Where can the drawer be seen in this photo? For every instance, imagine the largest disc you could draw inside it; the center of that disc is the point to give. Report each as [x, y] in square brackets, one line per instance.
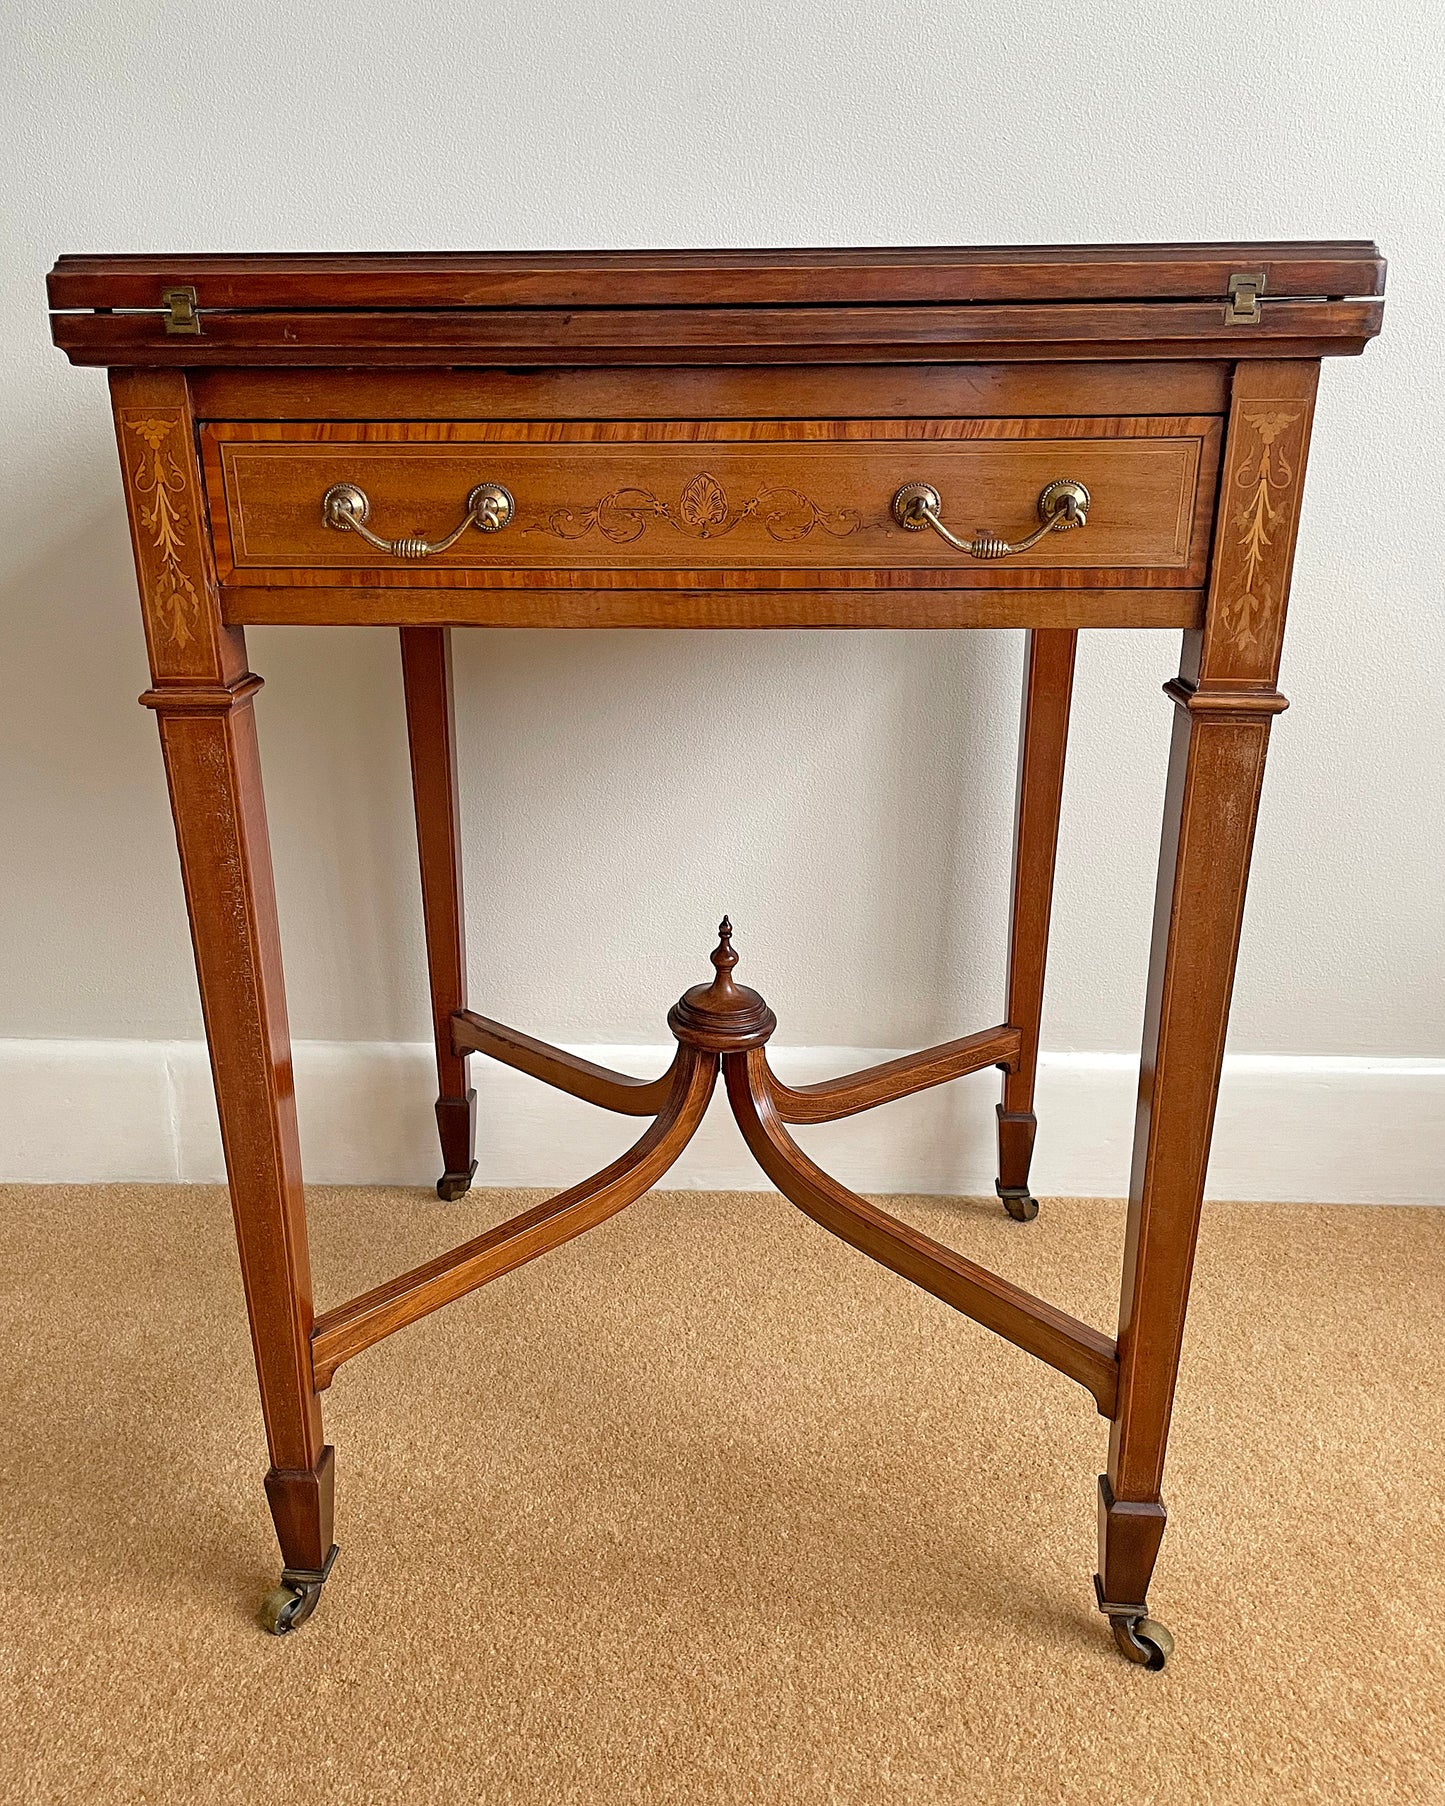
[726, 504]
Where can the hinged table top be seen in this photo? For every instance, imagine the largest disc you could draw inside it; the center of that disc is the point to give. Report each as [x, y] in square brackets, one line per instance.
[932, 302]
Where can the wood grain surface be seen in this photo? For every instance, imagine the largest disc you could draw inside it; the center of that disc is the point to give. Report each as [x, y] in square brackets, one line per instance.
[664, 503]
[747, 335]
[896, 602]
[970, 390]
[672, 278]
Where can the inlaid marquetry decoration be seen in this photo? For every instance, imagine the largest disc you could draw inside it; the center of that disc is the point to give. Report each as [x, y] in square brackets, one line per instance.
[1260, 526]
[159, 484]
[703, 511]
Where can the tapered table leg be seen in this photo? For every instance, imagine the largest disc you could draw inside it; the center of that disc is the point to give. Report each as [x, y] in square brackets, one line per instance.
[426, 663]
[1043, 740]
[202, 696]
[1225, 700]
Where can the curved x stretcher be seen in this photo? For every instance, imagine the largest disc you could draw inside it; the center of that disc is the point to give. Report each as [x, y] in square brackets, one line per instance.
[724, 1027]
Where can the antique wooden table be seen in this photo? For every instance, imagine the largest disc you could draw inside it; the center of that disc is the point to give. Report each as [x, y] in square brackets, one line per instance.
[1047, 438]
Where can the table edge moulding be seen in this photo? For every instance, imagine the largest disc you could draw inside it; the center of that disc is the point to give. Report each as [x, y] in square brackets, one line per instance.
[1042, 437]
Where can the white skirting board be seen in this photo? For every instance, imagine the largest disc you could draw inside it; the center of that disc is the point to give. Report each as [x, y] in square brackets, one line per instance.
[1327, 1130]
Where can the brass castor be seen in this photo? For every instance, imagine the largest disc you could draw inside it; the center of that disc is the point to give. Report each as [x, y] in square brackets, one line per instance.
[1019, 1202]
[292, 1603]
[288, 1608]
[1143, 1640]
[452, 1186]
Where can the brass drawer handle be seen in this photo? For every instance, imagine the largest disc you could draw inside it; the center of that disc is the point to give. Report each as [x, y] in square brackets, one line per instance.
[344, 506]
[1062, 504]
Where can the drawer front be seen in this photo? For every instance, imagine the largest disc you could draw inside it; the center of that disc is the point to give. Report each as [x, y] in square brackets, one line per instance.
[713, 504]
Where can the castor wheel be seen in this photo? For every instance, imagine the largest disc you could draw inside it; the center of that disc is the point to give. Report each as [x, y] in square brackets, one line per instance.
[1019, 1202]
[288, 1608]
[1143, 1640]
[292, 1603]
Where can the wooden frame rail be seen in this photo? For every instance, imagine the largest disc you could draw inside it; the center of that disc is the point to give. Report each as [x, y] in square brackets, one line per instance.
[565, 1072]
[1084, 1354]
[345, 1331]
[885, 1084]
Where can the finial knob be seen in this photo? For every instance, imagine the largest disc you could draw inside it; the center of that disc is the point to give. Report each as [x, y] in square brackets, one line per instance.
[723, 956]
[722, 1016]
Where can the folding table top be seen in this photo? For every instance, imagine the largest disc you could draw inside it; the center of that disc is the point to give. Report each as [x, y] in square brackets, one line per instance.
[874, 304]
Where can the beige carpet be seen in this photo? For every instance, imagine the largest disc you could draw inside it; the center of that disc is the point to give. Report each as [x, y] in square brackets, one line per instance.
[706, 1508]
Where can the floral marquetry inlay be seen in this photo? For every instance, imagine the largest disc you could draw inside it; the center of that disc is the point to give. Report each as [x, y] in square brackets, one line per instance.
[159, 484]
[1262, 505]
[703, 511]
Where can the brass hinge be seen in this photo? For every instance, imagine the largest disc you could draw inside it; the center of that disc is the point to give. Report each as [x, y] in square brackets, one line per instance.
[1242, 308]
[184, 315]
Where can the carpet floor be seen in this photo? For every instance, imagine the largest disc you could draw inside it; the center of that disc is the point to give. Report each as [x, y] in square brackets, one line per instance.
[706, 1508]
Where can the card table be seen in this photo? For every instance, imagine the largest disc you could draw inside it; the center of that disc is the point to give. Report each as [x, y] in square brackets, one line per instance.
[1043, 438]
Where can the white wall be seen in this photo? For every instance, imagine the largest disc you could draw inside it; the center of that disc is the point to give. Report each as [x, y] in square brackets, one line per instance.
[864, 859]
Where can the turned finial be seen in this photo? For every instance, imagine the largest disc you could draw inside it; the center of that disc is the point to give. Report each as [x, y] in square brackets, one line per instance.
[722, 956]
[722, 994]
[722, 1015]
